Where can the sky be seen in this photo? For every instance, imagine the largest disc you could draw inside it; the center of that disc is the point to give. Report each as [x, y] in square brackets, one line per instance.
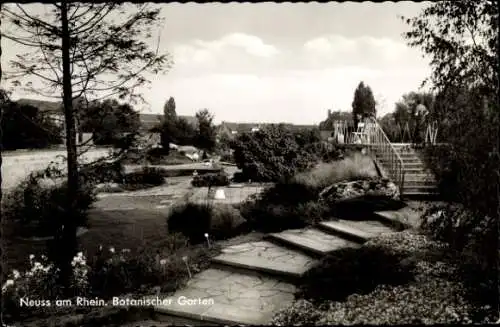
[280, 62]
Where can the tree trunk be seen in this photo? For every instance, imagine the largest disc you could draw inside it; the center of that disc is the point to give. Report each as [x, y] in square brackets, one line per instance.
[68, 241]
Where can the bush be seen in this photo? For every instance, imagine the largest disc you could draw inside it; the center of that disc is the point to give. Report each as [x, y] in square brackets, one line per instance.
[210, 179]
[471, 235]
[115, 272]
[194, 220]
[430, 288]
[103, 172]
[109, 273]
[239, 177]
[352, 270]
[271, 154]
[146, 176]
[276, 217]
[227, 157]
[41, 209]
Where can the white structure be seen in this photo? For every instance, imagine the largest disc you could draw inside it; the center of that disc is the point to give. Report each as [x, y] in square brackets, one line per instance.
[219, 194]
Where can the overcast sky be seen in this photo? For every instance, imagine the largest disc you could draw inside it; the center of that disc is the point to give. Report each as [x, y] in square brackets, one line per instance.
[273, 62]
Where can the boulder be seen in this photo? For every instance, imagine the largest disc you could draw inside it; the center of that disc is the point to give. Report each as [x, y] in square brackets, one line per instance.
[360, 189]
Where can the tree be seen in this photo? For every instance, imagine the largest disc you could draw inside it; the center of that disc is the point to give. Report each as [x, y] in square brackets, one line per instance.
[82, 49]
[461, 39]
[109, 121]
[334, 116]
[24, 127]
[169, 109]
[206, 136]
[363, 104]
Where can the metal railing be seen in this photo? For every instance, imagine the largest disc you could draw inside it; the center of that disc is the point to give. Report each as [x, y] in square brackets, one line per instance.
[380, 146]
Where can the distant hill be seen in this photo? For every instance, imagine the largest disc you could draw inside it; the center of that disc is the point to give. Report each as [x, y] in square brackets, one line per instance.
[43, 106]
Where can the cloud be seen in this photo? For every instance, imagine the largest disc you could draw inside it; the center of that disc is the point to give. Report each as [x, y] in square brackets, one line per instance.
[366, 50]
[200, 51]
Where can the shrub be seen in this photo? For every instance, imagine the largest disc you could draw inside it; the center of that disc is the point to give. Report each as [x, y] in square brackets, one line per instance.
[275, 217]
[352, 270]
[39, 283]
[40, 209]
[211, 179]
[146, 176]
[116, 272]
[431, 302]
[435, 293]
[227, 157]
[195, 220]
[109, 273]
[239, 177]
[271, 154]
[470, 234]
[325, 151]
[103, 172]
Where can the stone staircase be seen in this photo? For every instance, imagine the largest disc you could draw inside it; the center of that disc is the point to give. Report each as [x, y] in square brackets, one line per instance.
[249, 282]
[419, 181]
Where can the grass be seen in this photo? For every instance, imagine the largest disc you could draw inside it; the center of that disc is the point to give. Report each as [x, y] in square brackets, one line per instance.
[356, 166]
[143, 231]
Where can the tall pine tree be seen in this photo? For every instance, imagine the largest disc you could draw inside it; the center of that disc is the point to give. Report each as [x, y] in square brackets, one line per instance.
[363, 104]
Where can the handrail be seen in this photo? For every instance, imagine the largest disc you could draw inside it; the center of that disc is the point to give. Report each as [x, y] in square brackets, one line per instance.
[383, 149]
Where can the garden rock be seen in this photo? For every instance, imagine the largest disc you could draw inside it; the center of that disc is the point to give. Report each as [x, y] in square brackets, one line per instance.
[352, 190]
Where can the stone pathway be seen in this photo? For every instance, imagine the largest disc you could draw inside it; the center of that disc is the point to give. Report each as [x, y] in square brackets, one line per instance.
[249, 282]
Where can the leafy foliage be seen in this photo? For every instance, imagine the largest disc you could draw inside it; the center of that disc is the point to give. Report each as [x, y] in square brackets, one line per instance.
[352, 270]
[363, 104]
[461, 39]
[23, 127]
[195, 220]
[273, 153]
[462, 47]
[176, 130]
[206, 136]
[109, 121]
[210, 180]
[169, 109]
[405, 124]
[146, 176]
[426, 287]
[40, 209]
[82, 50]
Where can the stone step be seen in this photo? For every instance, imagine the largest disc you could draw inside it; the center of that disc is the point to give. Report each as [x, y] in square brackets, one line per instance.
[311, 241]
[418, 195]
[416, 183]
[405, 159]
[419, 178]
[413, 165]
[227, 298]
[413, 170]
[339, 227]
[265, 257]
[420, 188]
